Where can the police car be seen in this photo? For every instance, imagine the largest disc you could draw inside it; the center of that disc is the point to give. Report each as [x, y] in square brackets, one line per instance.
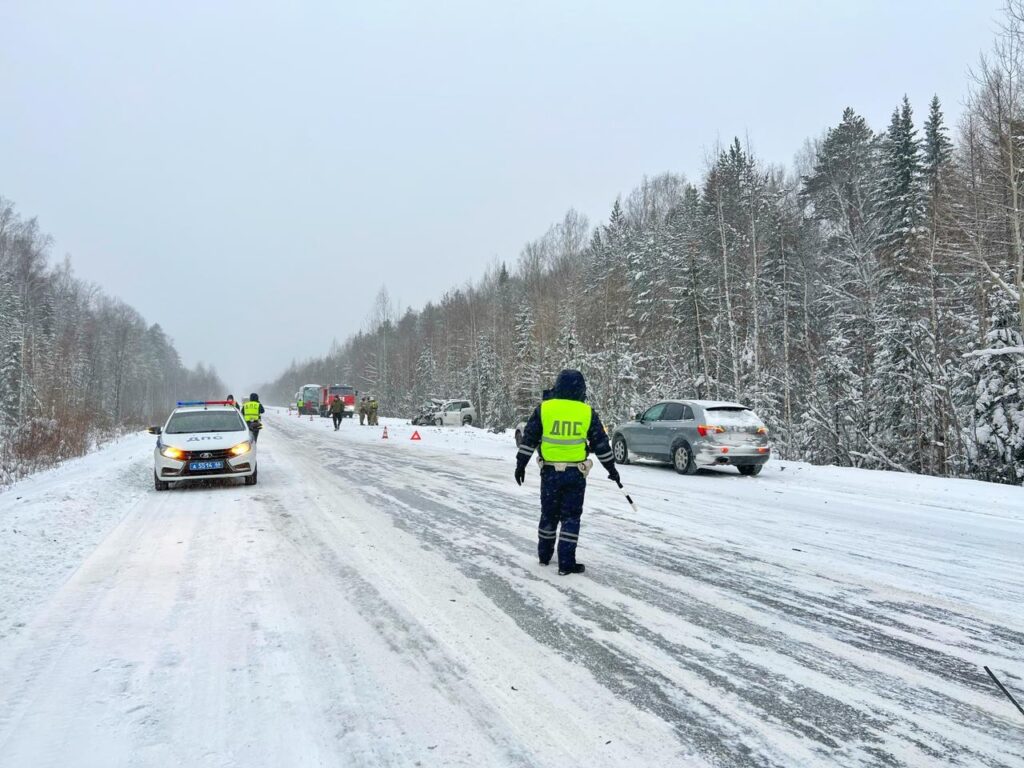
[202, 440]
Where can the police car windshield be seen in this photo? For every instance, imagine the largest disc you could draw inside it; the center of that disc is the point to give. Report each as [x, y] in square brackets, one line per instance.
[204, 421]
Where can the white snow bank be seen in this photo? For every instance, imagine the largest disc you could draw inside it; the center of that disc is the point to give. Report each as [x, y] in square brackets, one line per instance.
[51, 520]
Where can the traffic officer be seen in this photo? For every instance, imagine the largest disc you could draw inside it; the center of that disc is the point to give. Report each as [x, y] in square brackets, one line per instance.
[372, 406]
[563, 426]
[251, 412]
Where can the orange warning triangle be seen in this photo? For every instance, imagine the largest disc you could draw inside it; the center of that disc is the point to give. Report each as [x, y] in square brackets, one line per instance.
[416, 436]
[385, 435]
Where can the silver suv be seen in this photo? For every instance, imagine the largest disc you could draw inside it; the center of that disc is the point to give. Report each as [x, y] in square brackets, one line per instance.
[695, 433]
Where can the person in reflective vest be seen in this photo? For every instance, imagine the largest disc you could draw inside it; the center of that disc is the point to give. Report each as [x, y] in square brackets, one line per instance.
[564, 429]
[251, 412]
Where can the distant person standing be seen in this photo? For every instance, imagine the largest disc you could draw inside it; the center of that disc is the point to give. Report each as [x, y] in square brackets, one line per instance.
[373, 411]
[363, 412]
[337, 412]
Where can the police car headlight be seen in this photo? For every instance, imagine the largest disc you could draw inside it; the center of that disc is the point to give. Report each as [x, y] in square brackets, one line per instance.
[243, 447]
[173, 453]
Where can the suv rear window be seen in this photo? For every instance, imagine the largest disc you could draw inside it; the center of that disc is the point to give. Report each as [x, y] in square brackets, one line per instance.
[205, 421]
[733, 417]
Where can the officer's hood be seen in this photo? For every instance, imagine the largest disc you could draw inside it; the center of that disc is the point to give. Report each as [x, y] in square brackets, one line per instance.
[570, 385]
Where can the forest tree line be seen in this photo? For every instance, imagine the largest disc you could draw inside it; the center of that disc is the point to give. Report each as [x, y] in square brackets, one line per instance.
[76, 366]
[868, 302]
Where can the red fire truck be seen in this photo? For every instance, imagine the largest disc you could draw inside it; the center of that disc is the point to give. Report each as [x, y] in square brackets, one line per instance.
[338, 392]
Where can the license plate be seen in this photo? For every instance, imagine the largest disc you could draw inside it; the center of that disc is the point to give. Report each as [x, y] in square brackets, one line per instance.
[204, 466]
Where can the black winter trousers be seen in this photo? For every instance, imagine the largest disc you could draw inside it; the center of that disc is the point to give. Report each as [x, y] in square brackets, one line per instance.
[561, 506]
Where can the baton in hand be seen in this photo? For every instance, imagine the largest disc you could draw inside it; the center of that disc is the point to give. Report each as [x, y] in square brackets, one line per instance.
[628, 497]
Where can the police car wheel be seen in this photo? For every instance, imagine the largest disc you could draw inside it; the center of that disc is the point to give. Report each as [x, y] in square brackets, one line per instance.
[621, 450]
[159, 484]
[251, 479]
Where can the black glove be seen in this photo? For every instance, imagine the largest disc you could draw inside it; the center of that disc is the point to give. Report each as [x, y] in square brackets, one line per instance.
[613, 475]
[520, 474]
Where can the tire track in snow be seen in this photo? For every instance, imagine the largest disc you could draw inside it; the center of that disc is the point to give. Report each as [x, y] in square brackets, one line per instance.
[315, 531]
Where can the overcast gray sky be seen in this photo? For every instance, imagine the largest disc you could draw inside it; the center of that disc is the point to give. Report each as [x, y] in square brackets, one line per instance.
[307, 153]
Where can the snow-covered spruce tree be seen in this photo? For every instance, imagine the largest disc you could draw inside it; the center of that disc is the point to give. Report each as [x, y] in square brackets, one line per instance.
[691, 297]
[648, 314]
[527, 386]
[611, 368]
[904, 433]
[486, 391]
[949, 289]
[425, 379]
[845, 289]
[833, 428]
[999, 398]
[773, 389]
[725, 243]
[568, 349]
[900, 202]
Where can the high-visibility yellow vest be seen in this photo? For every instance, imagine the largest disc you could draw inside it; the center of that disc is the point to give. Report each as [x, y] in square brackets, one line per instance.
[565, 426]
[251, 410]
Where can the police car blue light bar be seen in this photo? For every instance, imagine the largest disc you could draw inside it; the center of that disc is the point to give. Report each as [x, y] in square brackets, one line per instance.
[202, 402]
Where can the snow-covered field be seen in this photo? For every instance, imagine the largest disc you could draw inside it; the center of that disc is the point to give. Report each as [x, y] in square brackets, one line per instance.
[378, 602]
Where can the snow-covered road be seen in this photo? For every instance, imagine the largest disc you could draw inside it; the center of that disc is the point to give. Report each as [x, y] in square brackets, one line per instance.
[378, 602]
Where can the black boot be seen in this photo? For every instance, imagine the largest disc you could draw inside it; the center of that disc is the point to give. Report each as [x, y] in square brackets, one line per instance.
[577, 568]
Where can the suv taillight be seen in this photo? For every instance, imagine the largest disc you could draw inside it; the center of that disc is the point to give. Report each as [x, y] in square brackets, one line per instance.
[705, 429]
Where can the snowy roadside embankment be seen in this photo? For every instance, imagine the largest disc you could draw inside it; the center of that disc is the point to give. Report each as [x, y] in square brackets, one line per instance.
[50, 521]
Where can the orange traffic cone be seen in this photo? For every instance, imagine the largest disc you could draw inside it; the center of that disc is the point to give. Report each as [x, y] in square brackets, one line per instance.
[385, 435]
[416, 436]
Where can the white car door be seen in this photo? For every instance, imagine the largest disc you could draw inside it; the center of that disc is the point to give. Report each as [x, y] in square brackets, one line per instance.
[453, 415]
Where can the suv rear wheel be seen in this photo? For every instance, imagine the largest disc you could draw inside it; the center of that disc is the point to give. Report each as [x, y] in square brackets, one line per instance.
[467, 420]
[682, 460]
[620, 450]
[750, 470]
